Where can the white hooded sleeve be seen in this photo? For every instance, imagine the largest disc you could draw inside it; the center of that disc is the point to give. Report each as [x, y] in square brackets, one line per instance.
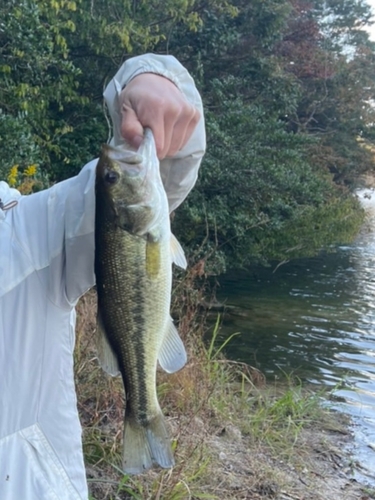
[179, 173]
[56, 226]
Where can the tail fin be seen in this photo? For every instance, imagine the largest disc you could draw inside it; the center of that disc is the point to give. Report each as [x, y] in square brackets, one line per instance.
[145, 446]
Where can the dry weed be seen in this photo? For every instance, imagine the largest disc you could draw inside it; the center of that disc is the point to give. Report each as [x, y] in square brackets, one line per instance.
[220, 415]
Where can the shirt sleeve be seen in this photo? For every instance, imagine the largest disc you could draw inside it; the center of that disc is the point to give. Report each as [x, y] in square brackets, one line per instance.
[55, 229]
[179, 173]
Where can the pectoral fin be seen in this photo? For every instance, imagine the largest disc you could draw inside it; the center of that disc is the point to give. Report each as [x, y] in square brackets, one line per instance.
[107, 358]
[178, 255]
[172, 356]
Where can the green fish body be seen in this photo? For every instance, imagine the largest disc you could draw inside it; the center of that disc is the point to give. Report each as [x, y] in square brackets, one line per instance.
[133, 264]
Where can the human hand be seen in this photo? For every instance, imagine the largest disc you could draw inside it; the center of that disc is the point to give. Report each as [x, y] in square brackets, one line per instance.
[150, 100]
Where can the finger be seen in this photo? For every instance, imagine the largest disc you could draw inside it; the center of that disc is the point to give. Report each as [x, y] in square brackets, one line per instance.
[136, 119]
[176, 118]
[158, 130]
[183, 130]
[154, 117]
[131, 127]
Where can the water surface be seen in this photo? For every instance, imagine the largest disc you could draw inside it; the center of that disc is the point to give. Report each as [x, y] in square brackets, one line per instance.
[314, 318]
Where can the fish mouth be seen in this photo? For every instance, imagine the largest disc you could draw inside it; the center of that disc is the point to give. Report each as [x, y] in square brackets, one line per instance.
[147, 150]
[135, 163]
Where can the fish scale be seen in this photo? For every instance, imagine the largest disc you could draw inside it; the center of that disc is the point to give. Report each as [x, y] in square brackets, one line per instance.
[130, 316]
[133, 265]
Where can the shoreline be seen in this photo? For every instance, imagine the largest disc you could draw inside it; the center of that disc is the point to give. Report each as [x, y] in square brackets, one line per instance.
[234, 436]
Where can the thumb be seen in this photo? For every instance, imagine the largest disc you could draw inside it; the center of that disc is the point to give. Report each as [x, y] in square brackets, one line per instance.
[131, 127]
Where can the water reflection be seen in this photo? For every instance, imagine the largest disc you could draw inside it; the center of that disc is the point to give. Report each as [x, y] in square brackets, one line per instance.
[301, 317]
[315, 318]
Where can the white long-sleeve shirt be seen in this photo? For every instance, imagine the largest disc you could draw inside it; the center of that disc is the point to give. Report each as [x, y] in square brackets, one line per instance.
[46, 264]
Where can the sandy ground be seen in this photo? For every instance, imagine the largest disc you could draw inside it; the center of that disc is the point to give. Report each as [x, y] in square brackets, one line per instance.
[318, 468]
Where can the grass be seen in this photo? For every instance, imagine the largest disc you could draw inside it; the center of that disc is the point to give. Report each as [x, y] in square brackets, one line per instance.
[234, 436]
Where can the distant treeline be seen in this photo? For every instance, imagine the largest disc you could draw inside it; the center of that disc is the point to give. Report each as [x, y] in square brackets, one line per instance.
[288, 88]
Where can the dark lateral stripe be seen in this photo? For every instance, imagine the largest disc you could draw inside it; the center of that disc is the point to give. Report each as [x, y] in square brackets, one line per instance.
[134, 350]
[139, 347]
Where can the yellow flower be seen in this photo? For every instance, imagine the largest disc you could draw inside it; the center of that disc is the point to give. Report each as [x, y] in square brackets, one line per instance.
[30, 170]
[13, 174]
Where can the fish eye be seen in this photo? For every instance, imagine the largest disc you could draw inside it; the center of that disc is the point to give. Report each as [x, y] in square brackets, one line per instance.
[111, 177]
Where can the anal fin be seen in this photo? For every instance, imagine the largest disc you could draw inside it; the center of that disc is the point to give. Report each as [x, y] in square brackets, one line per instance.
[172, 355]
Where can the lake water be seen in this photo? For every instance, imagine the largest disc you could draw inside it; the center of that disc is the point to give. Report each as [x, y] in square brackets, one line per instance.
[314, 318]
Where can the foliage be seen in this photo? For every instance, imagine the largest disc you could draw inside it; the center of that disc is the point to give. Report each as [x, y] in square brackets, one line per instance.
[287, 85]
[331, 56]
[261, 199]
[286, 107]
[55, 59]
[19, 148]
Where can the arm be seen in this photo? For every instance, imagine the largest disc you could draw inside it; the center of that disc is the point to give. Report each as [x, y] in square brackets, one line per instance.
[179, 173]
[53, 233]
[56, 227]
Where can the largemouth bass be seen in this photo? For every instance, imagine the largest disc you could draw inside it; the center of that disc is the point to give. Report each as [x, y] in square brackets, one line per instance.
[133, 266]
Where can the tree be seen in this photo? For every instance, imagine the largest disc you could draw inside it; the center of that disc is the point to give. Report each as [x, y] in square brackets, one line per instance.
[332, 59]
[258, 198]
[287, 87]
[55, 59]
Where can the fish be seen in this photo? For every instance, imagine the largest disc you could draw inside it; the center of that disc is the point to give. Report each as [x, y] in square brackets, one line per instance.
[134, 252]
